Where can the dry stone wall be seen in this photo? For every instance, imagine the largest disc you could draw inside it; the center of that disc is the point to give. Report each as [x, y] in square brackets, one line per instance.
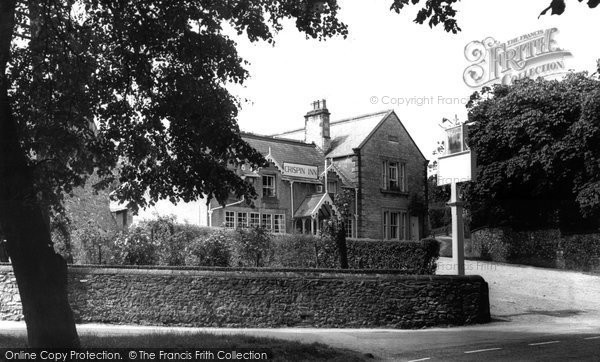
[225, 297]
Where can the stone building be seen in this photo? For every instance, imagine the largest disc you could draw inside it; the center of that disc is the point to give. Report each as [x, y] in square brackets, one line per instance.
[373, 156]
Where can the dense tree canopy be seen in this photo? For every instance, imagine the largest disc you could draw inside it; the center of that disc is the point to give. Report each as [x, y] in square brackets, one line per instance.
[538, 152]
[90, 85]
[141, 86]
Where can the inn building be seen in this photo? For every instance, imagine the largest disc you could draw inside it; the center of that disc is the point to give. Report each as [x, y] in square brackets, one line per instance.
[372, 157]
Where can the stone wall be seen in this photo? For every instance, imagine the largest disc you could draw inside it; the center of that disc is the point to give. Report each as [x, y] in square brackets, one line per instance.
[10, 300]
[231, 297]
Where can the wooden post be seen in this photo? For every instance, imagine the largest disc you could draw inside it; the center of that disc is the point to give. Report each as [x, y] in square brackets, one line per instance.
[458, 242]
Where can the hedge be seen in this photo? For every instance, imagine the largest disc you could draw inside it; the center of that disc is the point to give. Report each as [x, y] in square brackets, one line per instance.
[420, 256]
[544, 248]
[165, 243]
[305, 251]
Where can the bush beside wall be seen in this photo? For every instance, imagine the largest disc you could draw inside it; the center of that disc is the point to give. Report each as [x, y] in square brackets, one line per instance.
[265, 298]
[582, 252]
[303, 251]
[538, 248]
[420, 257]
[162, 242]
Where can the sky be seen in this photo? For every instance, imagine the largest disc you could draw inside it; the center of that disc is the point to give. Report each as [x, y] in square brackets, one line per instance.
[388, 58]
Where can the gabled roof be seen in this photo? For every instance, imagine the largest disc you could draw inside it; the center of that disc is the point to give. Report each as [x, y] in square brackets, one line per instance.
[346, 177]
[346, 170]
[312, 204]
[346, 134]
[351, 133]
[285, 150]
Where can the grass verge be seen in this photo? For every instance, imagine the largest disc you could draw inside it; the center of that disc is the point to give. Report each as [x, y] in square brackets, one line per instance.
[282, 350]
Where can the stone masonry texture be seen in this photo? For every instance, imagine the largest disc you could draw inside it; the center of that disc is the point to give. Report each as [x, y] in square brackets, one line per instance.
[224, 297]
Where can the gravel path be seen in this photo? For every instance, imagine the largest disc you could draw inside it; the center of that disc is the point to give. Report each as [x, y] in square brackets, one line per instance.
[529, 294]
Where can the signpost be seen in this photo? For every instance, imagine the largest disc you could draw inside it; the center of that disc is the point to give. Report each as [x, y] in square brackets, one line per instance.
[456, 166]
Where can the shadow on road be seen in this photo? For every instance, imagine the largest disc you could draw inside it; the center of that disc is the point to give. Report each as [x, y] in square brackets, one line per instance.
[550, 313]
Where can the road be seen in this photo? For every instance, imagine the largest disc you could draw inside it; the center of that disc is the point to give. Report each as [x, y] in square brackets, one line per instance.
[497, 341]
[539, 315]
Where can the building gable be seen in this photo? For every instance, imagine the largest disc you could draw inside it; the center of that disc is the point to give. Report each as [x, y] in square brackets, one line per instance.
[392, 117]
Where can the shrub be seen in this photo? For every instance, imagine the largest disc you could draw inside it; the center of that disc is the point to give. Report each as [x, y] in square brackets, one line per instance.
[91, 245]
[166, 243]
[431, 253]
[161, 232]
[418, 257]
[214, 250]
[306, 251]
[582, 252]
[295, 251]
[440, 218]
[334, 244]
[327, 252]
[252, 247]
[171, 239]
[135, 248]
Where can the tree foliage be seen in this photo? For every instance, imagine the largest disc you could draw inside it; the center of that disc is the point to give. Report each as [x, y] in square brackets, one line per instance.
[443, 12]
[557, 7]
[90, 85]
[538, 152]
[435, 11]
[141, 85]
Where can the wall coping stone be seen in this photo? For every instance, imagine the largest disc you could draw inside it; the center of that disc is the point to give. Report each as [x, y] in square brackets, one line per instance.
[245, 273]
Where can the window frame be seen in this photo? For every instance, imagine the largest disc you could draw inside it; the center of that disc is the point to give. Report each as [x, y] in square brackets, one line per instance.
[256, 222]
[393, 165]
[395, 224]
[230, 216]
[271, 187]
[279, 228]
[404, 225]
[262, 223]
[402, 176]
[394, 181]
[244, 221]
[349, 228]
[333, 183]
[386, 216]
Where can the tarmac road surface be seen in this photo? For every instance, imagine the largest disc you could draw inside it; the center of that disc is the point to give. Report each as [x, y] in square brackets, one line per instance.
[539, 315]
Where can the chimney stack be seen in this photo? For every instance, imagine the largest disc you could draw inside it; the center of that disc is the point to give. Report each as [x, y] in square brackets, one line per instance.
[316, 125]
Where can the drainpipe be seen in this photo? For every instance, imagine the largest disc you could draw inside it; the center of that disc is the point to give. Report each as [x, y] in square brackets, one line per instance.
[210, 211]
[326, 176]
[356, 212]
[292, 206]
[359, 190]
[426, 227]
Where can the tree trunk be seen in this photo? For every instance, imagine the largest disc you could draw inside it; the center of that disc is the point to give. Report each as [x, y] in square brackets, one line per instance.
[41, 274]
